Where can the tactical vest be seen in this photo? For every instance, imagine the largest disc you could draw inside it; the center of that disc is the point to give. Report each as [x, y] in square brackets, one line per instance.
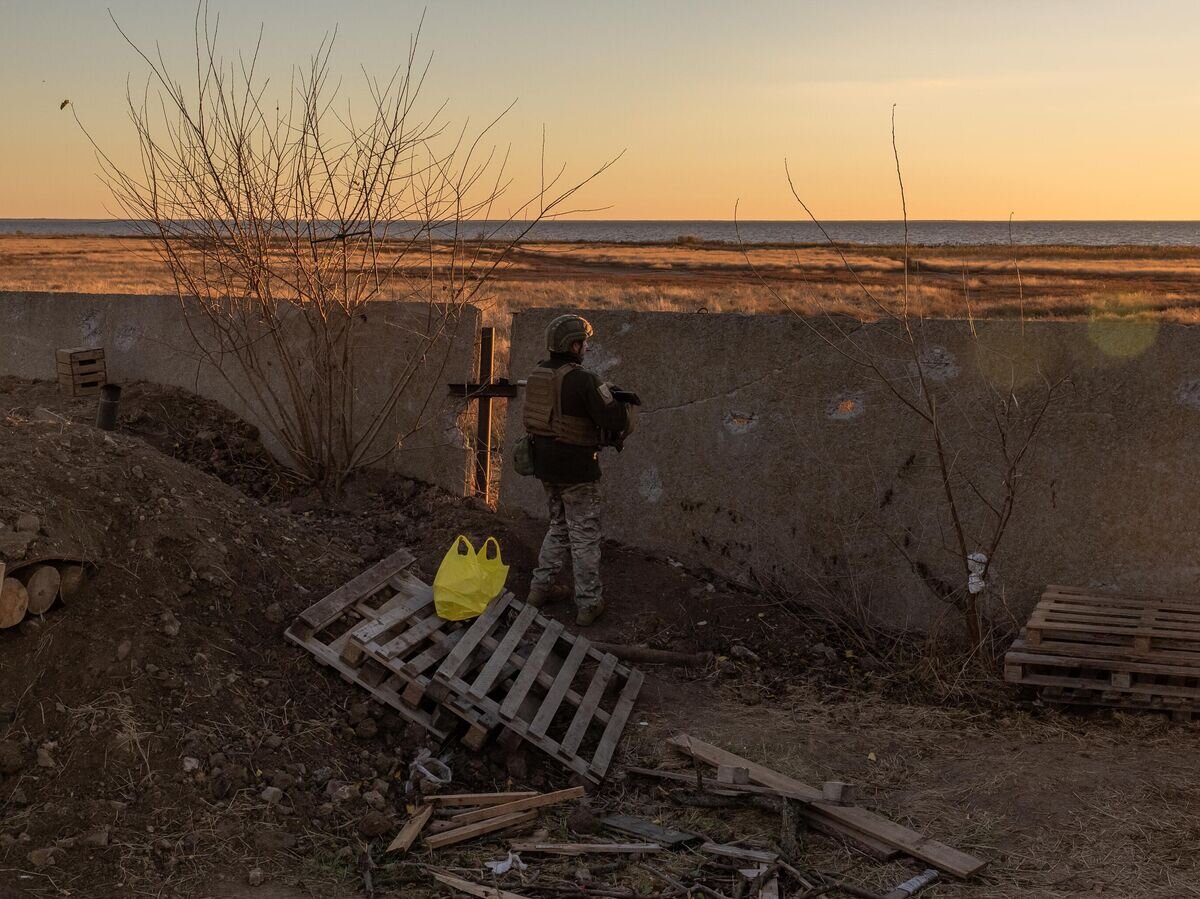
[543, 415]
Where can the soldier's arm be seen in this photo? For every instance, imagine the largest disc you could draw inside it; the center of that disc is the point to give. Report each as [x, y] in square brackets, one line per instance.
[604, 410]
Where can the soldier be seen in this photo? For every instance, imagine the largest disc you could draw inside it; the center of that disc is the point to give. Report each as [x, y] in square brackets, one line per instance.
[569, 415]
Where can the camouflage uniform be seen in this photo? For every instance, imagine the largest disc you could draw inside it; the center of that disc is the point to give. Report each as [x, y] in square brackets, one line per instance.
[575, 532]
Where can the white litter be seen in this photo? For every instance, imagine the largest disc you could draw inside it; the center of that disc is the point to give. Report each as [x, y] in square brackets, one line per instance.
[504, 865]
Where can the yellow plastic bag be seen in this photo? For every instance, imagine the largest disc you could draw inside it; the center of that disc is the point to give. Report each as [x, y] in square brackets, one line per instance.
[467, 581]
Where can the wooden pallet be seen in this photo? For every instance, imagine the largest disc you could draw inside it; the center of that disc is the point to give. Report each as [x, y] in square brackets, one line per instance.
[1128, 651]
[325, 628]
[81, 370]
[1179, 711]
[1141, 624]
[409, 640]
[543, 684]
[510, 666]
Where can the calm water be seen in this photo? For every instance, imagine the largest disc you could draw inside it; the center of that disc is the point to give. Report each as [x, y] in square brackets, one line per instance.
[1185, 234]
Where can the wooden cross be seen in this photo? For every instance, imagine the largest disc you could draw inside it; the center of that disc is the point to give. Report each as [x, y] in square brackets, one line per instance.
[483, 393]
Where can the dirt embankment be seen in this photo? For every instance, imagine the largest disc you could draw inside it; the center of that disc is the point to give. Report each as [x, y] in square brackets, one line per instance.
[161, 738]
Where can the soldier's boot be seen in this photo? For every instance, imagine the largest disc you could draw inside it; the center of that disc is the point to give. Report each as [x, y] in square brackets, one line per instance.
[541, 594]
[588, 615]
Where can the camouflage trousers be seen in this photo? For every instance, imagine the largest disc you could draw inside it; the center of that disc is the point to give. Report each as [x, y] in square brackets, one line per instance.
[574, 532]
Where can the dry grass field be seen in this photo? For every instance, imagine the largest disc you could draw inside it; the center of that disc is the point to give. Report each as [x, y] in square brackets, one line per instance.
[952, 282]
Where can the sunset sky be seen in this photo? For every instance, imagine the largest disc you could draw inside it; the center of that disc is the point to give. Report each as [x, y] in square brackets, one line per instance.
[1049, 110]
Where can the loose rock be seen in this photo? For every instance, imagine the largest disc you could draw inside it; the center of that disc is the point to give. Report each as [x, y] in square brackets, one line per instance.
[170, 624]
[374, 824]
[271, 795]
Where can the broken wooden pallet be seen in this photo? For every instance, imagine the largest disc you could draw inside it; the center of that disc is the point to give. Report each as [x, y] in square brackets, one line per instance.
[547, 686]
[1125, 651]
[860, 824]
[325, 629]
[510, 666]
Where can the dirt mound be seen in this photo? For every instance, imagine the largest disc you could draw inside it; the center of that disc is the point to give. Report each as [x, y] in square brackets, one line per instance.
[159, 725]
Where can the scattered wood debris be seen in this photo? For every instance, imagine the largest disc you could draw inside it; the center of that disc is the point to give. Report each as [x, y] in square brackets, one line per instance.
[859, 824]
[648, 830]
[472, 889]
[511, 667]
[1124, 651]
[411, 830]
[536, 848]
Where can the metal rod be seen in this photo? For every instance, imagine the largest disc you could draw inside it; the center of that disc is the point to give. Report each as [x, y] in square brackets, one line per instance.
[483, 434]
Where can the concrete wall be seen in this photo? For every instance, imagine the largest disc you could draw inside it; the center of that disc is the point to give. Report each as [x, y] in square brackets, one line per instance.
[766, 453]
[148, 338]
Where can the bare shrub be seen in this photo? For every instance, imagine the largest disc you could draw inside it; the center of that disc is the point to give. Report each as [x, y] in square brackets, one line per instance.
[977, 448]
[280, 218]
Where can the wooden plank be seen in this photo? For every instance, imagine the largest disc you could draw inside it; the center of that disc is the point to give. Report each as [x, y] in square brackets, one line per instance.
[651, 832]
[562, 683]
[1024, 656]
[941, 856]
[327, 609]
[411, 830]
[472, 889]
[479, 829]
[587, 709]
[474, 635]
[740, 853]
[79, 352]
[520, 805]
[421, 663]
[616, 724]
[499, 657]
[1108, 653]
[453, 800]
[411, 637]
[533, 667]
[370, 628]
[534, 848]
[1137, 629]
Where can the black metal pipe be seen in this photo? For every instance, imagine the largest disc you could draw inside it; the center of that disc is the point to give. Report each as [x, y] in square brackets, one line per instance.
[106, 411]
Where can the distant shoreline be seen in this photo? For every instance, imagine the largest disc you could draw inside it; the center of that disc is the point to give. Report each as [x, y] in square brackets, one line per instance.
[879, 234]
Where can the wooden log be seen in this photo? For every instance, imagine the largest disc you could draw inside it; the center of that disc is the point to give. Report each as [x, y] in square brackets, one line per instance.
[42, 585]
[72, 580]
[14, 600]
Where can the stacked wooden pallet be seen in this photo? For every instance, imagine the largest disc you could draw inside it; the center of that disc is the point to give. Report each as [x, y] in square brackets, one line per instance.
[81, 370]
[1121, 650]
[510, 668]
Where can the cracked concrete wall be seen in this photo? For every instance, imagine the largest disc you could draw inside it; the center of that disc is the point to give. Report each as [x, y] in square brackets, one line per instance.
[766, 453]
[146, 338]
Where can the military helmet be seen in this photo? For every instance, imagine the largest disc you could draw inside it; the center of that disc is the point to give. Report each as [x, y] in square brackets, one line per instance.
[565, 330]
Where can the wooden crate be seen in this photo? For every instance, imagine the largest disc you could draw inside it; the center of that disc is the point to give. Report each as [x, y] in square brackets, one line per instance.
[81, 370]
[549, 687]
[1126, 651]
